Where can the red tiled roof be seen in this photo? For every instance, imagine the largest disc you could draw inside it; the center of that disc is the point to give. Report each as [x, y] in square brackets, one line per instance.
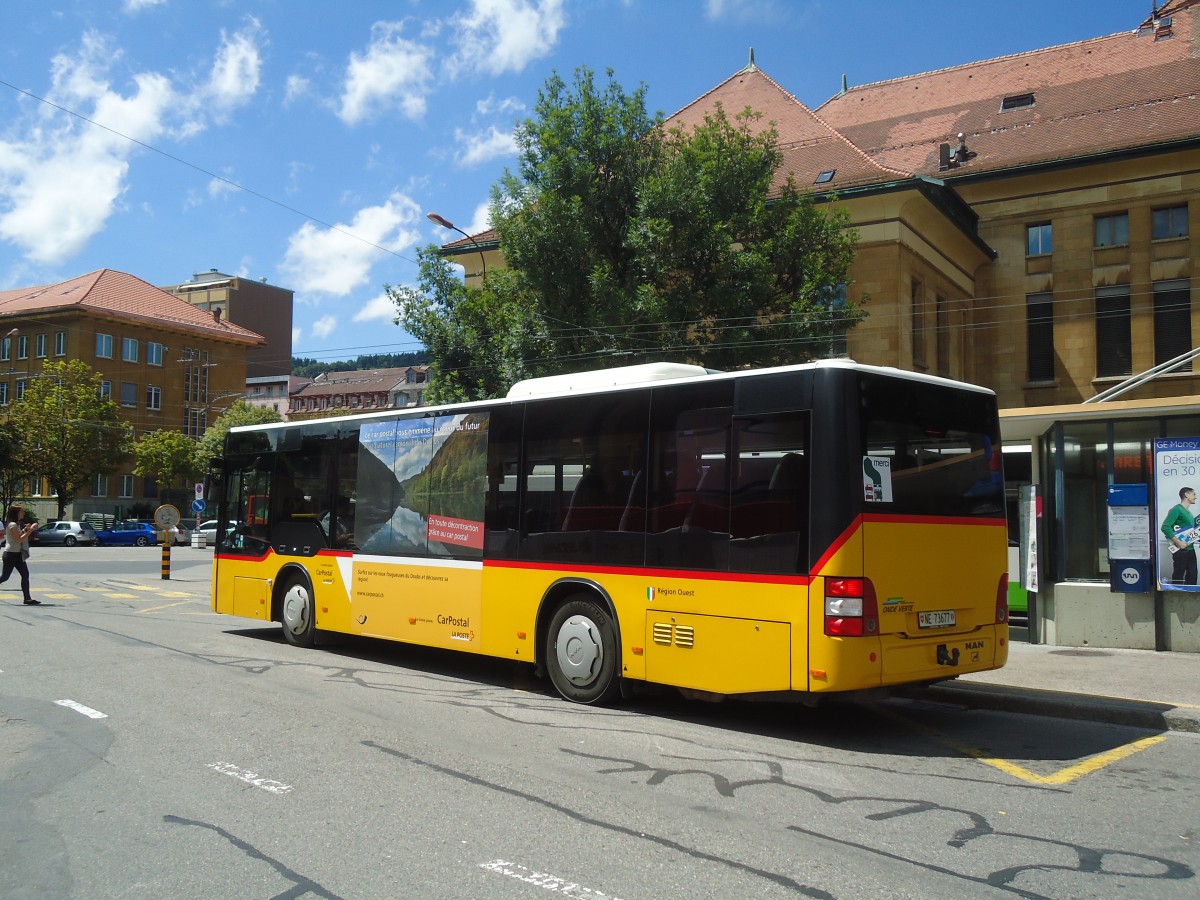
[117, 295]
[809, 145]
[1126, 90]
[362, 381]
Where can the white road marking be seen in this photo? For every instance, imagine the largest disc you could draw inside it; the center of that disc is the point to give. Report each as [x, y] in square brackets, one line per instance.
[80, 708]
[543, 880]
[267, 784]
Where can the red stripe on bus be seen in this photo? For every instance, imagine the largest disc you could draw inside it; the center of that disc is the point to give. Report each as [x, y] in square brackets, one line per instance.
[837, 545]
[700, 575]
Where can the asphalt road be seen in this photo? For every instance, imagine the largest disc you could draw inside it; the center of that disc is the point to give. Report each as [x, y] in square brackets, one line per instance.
[150, 748]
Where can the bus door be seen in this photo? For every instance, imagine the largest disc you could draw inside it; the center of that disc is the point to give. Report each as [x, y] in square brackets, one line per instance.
[242, 534]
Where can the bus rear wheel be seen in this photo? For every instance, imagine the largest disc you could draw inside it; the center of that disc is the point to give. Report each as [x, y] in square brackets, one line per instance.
[297, 613]
[581, 652]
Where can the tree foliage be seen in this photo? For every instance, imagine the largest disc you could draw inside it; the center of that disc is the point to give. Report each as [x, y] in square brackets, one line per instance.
[626, 242]
[305, 367]
[166, 456]
[68, 433]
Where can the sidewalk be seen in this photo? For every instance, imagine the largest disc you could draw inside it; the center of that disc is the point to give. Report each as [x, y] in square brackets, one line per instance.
[1140, 688]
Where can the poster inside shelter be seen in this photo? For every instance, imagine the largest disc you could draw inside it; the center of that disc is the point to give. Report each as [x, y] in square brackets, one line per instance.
[1176, 534]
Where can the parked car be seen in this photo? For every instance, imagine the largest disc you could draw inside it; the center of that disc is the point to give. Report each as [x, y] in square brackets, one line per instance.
[179, 534]
[209, 530]
[136, 534]
[67, 533]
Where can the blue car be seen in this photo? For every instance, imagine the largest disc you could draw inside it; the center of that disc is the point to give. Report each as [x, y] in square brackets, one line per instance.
[128, 534]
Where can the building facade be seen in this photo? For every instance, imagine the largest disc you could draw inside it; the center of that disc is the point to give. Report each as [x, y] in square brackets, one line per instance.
[1028, 223]
[338, 393]
[167, 363]
[256, 305]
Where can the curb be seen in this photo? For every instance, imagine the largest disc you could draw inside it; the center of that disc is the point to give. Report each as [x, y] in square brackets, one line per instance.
[1058, 704]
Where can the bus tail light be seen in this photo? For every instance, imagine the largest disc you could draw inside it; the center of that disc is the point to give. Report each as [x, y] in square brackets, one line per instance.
[1002, 600]
[851, 609]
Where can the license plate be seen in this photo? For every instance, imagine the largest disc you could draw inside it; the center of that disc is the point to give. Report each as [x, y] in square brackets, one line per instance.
[941, 618]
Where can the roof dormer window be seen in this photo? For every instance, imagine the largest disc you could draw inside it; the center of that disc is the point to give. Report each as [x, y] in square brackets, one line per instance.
[1016, 101]
[826, 176]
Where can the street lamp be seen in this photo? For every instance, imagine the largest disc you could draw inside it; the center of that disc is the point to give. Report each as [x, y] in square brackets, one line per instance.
[446, 223]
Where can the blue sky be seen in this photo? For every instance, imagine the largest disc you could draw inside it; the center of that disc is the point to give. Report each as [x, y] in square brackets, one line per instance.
[303, 142]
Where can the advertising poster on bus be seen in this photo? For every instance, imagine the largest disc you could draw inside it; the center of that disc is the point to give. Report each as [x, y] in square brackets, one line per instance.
[420, 488]
[1177, 479]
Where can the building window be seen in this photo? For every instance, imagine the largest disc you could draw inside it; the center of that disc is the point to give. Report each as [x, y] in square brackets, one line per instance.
[1112, 231]
[1113, 337]
[153, 397]
[100, 486]
[1171, 222]
[60, 344]
[40, 345]
[5, 348]
[154, 353]
[918, 325]
[1172, 321]
[106, 390]
[104, 346]
[20, 388]
[22, 347]
[3, 393]
[1039, 239]
[1039, 330]
[826, 176]
[1016, 101]
[128, 393]
[129, 350]
[126, 487]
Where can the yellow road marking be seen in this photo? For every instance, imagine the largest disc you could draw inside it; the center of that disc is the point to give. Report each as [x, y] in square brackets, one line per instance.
[151, 609]
[1062, 776]
[59, 596]
[121, 596]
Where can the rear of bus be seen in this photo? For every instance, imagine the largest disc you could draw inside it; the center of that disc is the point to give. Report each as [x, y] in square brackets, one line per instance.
[914, 588]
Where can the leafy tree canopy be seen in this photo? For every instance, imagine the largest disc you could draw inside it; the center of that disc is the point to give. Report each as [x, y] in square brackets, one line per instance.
[311, 368]
[68, 433]
[166, 456]
[626, 242]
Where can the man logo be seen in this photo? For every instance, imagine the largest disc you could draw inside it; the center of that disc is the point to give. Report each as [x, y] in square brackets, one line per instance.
[1129, 575]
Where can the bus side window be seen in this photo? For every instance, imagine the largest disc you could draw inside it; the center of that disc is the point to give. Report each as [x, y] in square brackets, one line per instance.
[770, 499]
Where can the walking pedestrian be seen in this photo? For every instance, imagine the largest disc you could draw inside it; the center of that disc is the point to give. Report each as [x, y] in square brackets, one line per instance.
[16, 549]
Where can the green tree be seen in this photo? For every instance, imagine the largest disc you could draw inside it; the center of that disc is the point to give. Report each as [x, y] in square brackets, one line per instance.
[212, 443]
[626, 241]
[12, 473]
[166, 456]
[68, 432]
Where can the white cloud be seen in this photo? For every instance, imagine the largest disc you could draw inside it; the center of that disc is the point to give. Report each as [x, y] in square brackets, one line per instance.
[337, 260]
[297, 86]
[378, 309]
[760, 11]
[393, 73]
[499, 36]
[61, 181]
[484, 146]
[482, 220]
[324, 326]
[296, 332]
[136, 6]
[235, 74]
[490, 106]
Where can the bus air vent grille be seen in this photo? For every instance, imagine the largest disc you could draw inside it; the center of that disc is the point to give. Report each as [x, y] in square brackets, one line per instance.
[685, 636]
[662, 633]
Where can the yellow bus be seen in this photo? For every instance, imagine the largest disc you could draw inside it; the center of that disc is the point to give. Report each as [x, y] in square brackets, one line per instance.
[792, 532]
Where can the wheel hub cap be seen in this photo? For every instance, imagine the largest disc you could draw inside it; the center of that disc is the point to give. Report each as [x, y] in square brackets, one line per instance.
[580, 652]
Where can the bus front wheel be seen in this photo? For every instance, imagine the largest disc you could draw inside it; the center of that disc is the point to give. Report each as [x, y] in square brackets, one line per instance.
[298, 614]
[581, 652]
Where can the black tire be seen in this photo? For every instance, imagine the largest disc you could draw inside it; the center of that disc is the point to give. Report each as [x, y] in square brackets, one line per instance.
[297, 613]
[70, 541]
[581, 652]
[141, 541]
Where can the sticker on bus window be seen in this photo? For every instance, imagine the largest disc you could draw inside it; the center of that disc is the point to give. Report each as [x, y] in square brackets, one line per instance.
[877, 479]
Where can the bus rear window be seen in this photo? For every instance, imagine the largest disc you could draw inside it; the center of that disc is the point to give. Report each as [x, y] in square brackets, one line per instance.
[939, 447]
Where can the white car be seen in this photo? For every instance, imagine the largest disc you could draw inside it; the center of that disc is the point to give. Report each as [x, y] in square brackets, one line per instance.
[209, 530]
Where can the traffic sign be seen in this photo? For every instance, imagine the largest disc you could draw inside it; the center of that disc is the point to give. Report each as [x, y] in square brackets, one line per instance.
[197, 506]
[199, 490]
[166, 516]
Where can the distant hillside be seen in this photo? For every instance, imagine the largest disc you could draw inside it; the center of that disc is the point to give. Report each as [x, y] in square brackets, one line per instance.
[311, 368]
